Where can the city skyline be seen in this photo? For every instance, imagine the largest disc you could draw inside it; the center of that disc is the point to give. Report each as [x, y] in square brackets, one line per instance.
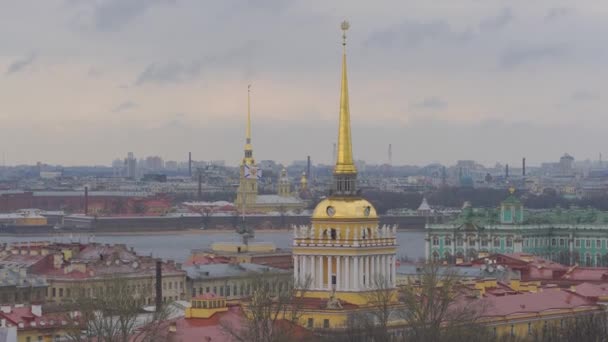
[91, 81]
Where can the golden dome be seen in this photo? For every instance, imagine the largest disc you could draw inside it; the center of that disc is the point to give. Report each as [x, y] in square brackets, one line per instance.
[344, 208]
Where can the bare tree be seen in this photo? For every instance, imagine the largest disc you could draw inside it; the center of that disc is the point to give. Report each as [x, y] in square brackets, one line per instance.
[437, 309]
[112, 312]
[585, 327]
[372, 322]
[272, 313]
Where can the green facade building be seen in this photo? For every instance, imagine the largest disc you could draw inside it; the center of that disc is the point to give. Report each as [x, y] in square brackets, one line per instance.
[569, 237]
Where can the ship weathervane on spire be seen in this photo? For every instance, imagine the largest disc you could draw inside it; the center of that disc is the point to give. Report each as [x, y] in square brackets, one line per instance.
[344, 26]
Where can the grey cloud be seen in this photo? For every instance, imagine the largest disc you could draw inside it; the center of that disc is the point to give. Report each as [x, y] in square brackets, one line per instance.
[94, 72]
[171, 72]
[124, 107]
[430, 103]
[558, 12]
[517, 56]
[584, 95]
[20, 64]
[238, 58]
[497, 22]
[111, 15]
[410, 33]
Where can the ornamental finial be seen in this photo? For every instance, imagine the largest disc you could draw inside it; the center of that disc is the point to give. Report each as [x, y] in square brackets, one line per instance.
[344, 26]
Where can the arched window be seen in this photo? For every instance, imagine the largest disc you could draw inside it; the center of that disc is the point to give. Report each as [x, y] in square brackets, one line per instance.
[435, 241]
[587, 259]
[333, 234]
[435, 256]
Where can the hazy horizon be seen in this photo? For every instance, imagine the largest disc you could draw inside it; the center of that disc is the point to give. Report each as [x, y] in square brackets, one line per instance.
[83, 82]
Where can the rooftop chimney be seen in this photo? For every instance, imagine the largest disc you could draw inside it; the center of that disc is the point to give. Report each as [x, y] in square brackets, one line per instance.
[523, 167]
[86, 200]
[37, 310]
[159, 285]
[308, 167]
[200, 185]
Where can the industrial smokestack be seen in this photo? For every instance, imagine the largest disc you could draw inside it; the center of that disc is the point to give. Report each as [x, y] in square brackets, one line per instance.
[523, 167]
[308, 166]
[86, 200]
[335, 153]
[190, 164]
[159, 283]
[507, 171]
[200, 185]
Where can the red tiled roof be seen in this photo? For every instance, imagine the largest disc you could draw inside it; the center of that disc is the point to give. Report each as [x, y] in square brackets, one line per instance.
[587, 274]
[532, 303]
[206, 260]
[210, 329]
[592, 290]
[24, 315]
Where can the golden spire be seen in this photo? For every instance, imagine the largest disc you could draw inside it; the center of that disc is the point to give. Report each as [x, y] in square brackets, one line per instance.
[248, 160]
[248, 131]
[344, 162]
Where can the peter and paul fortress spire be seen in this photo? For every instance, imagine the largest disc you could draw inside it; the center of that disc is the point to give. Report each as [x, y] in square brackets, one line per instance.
[247, 192]
[248, 160]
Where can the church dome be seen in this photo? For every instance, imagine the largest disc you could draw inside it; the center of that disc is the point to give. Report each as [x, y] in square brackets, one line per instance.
[344, 208]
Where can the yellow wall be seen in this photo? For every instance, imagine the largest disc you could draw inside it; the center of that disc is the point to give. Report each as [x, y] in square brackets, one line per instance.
[357, 298]
[206, 308]
[31, 221]
[521, 325]
[33, 334]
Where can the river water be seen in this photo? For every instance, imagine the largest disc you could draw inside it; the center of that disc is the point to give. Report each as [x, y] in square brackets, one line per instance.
[178, 246]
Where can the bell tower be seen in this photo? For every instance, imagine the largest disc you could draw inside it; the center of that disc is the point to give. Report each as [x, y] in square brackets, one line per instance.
[247, 191]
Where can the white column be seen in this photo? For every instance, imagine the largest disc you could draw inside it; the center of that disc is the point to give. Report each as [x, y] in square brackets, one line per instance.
[339, 278]
[365, 279]
[296, 273]
[320, 272]
[347, 280]
[356, 274]
[385, 268]
[374, 269]
[394, 270]
[382, 267]
[303, 270]
[329, 272]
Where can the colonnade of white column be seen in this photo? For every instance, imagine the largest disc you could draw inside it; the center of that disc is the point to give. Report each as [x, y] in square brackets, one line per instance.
[352, 273]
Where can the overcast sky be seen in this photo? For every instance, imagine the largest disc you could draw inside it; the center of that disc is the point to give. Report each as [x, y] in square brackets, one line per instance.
[86, 81]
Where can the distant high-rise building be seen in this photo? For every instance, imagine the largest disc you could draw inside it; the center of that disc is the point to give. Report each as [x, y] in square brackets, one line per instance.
[154, 163]
[565, 164]
[131, 166]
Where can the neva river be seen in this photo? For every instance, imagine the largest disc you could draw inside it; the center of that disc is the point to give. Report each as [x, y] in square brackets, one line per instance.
[178, 246]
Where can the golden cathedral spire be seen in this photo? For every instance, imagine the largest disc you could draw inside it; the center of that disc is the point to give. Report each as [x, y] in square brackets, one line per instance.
[248, 148]
[344, 161]
[248, 131]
